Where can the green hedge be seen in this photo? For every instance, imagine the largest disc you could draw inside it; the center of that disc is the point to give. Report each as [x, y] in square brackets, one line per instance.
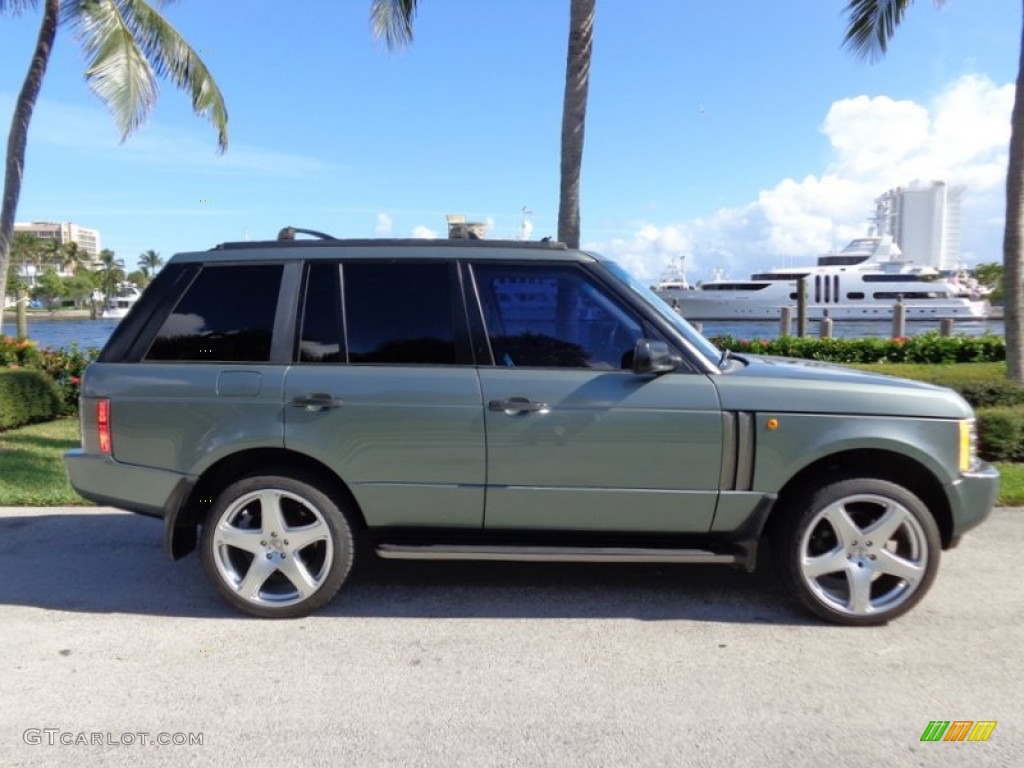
[1001, 434]
[925, 348]
[26, 397]
[64, 366]
[991, 394]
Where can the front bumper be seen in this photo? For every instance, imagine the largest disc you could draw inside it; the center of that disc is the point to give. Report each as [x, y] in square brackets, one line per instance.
[972, 496]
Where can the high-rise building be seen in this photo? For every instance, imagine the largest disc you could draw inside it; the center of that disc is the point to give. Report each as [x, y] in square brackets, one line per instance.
[924, 220]
[63, 232]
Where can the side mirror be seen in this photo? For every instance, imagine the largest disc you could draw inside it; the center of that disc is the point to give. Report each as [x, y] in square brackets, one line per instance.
[651, 356]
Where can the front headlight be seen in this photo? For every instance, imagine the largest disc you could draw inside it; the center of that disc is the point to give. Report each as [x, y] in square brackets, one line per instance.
[968, 445]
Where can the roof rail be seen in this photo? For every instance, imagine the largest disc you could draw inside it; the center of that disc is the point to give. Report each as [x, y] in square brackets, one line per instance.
[289, 233]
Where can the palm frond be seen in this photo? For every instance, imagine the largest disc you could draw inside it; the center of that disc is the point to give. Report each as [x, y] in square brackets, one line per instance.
[872, 24]
[14, 7]
[392, 20]
[129, 44]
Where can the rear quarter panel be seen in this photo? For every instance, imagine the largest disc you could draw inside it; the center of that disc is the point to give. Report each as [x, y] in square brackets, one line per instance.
[181, 417]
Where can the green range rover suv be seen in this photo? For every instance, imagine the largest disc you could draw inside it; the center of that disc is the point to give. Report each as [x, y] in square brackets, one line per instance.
[288, 405]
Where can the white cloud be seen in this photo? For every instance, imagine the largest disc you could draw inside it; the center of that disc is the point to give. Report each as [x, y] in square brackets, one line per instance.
[877, 144]
[424, 232]
[385, 225]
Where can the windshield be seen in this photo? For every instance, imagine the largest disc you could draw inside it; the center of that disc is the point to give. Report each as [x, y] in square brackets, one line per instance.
[677, 321]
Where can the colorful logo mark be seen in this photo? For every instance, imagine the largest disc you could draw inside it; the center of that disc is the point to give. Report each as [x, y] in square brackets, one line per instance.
[958, 730]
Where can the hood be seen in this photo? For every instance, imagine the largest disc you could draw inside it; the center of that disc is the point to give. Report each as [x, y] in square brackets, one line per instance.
[788, 385]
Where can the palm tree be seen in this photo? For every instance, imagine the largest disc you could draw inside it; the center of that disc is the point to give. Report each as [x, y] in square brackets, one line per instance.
[73, 257]
[872, 24]
[26, 251]
[128, 45]
[149, 264]
[574, 117]
[109, 273]
[392, 20]
[150, 261]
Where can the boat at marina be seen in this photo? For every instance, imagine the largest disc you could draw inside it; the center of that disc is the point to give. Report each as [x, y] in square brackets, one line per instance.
[673, 279]
[117, 305]
[863, 281]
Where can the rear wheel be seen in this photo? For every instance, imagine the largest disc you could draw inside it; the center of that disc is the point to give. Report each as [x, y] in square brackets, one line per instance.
[277, 546]
[859, 551]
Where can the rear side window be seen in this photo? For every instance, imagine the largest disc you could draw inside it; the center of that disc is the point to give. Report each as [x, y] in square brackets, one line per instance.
[226, 315]
[400, 313]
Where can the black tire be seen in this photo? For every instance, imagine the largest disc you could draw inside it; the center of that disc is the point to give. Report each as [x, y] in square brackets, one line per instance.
[880, 537]
[276, 546]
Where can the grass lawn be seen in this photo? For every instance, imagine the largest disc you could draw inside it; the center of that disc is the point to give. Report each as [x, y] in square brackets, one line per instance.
[32, 465]
[32, 468]
[947, 375]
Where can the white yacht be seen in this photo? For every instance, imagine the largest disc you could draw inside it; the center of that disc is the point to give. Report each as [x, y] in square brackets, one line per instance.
[673, 279]
[863, 281]
[117, 305]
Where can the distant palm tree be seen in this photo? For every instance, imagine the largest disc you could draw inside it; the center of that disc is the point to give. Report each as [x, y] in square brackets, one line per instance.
[110, 274]
[150, 263]
[27, 250]
[392, 20]
[73, 257]
[26, 256]
[128, 45]
[872, 24]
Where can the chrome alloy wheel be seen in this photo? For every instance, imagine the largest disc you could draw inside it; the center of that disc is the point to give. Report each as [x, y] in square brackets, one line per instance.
[272, 547]
[863, 555]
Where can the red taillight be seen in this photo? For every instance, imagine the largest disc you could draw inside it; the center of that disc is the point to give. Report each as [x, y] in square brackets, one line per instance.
[103, 424]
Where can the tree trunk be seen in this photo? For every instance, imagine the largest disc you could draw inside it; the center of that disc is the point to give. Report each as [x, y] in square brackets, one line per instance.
[18, 137]
[21, 313]
[574, 115]
[1013, 238]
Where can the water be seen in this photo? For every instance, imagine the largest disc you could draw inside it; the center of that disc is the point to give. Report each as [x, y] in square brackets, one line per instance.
[53, 332]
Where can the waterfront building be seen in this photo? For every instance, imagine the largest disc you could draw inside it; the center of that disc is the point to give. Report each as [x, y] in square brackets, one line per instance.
[60, 233]
[924, 221]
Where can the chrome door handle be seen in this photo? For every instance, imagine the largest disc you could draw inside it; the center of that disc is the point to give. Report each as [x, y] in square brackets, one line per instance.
[318, 401]
[514, 405]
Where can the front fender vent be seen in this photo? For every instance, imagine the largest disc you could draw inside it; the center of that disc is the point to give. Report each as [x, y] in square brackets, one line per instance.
[737, 451]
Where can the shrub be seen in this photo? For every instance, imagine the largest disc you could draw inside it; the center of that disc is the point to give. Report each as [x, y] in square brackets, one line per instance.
[991, 394]
[1001, 434]
[925, 348]
[23, 354]
[65, 367]
[27, 396]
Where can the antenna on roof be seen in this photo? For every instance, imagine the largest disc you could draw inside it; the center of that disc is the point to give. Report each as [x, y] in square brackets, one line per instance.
[525, 225]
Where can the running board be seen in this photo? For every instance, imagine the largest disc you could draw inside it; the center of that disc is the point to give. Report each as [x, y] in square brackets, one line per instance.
[539, 554]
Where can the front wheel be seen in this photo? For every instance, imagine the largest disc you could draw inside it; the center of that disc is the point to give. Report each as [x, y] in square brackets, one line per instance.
[276, 546]
[859, 551]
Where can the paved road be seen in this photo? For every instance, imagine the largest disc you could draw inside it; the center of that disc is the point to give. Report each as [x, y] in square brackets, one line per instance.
[490, 665]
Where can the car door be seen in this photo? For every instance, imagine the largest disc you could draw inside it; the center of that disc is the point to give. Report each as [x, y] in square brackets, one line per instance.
[575, 439]
[384, 391]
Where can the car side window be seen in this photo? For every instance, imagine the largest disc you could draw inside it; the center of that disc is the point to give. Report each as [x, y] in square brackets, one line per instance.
[554, 316]
[400, 312]
[226, 315]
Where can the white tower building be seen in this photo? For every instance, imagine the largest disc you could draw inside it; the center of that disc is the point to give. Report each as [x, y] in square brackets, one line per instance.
[924, 220]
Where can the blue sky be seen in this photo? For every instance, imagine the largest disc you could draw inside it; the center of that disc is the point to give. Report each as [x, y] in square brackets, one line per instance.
[739, 134]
